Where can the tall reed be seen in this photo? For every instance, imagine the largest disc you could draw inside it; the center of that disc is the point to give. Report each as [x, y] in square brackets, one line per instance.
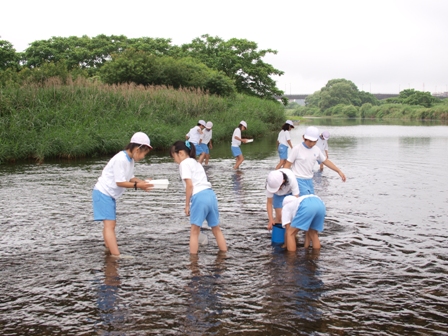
[84, 118]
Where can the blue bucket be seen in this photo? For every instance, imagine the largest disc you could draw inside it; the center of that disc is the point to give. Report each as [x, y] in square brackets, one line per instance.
[278, 234]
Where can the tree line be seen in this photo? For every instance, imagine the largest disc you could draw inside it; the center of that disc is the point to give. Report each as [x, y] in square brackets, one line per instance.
[341, 97]
[208, 63]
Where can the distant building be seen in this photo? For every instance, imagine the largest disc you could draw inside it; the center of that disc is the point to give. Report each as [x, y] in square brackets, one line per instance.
[440, 94]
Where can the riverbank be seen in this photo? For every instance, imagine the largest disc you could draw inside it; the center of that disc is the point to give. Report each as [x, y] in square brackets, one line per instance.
[88, 119]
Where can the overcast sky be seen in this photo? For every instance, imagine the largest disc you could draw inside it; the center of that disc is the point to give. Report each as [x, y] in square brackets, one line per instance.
[383, 46]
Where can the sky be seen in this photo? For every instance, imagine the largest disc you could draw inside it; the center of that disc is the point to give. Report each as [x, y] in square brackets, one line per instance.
[382, 46]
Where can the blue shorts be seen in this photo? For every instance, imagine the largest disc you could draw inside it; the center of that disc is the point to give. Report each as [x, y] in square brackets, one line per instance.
[278, 200]
[283, 151]
[205, 149]
[198, 149]
[306, 186]
[104, 206]
[236, 151]
[310, 215]
[204, 206]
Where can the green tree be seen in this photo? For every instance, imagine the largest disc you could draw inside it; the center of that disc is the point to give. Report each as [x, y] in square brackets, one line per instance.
[145, 68]
[88, 53]
[8, 56]
[367, 97]
[313, 99]
[240, 60]
[413, 97]
[339, 91]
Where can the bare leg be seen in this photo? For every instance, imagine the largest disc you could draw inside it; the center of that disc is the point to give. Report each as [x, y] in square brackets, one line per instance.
[207, 157]
[321, 167]
[307, 240]
[239, 160]
[219, 238]
[291, 238]
[194, 238]
[110, 240]
[314, 237]
[201, 158]
[280, 164]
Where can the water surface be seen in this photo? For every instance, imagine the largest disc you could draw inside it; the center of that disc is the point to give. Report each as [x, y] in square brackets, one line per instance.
[382, 270]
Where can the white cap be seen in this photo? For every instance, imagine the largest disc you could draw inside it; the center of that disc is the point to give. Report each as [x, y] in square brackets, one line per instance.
[209, 125]
[311, 133]
[274, 181]
[242, 122]
[141, 139]
[201, 122]
[289, 122]
[326, 135]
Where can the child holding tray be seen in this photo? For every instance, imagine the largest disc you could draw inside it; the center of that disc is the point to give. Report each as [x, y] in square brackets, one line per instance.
[117, 176]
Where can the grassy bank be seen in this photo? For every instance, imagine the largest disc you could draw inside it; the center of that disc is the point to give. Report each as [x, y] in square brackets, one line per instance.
[86, 119]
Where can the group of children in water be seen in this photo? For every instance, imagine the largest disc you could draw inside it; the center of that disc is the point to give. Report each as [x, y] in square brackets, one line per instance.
[289, 188]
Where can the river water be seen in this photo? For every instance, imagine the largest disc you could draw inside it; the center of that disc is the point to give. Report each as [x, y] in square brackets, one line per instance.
[382, 269]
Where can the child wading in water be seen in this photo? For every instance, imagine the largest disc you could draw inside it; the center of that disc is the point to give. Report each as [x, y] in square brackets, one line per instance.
[198, 192]
[236, 142]
[115, 178]
[283, 142]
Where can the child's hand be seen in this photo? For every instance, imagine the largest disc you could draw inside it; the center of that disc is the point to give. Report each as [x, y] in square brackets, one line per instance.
[270, 224]
[187, 210]
[148, 186]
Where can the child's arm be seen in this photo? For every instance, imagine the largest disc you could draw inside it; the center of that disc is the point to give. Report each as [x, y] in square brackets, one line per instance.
[332, 166]
[188, 194]
[290, 143]
[239, 139]
[269, 209]
[136, 183]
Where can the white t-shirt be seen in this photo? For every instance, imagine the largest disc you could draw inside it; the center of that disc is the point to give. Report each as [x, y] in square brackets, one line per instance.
[322, 144]
[191, 169]
[119, 169]
[291, 187]
[235, 142]
[283, 137]
[303, 160]
[194, 135]
[289, 210]
[206, 136]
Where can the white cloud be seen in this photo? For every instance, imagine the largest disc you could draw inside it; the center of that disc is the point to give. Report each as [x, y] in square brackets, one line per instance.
[382, 46]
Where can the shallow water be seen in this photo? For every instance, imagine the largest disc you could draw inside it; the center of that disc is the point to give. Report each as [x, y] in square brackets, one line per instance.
[382, 270]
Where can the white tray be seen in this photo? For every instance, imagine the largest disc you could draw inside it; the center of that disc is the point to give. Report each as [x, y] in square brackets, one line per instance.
[249, 140]
[159, 184]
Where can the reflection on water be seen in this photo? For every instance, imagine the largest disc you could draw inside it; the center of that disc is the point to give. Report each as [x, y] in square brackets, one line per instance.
[382, 269]
[110, 314]
[204, 304]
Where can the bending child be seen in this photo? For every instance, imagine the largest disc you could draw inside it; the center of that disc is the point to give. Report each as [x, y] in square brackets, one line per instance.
[198, 192]
[305, 213]
[117, 176]
[279, 184]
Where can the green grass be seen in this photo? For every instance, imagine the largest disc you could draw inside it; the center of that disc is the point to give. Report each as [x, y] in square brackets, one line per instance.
[86, 119]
